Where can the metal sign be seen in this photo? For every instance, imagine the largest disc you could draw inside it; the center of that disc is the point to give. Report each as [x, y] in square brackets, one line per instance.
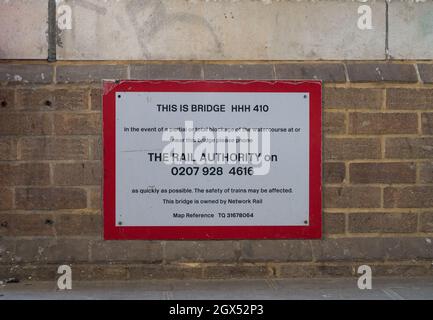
[212, 159]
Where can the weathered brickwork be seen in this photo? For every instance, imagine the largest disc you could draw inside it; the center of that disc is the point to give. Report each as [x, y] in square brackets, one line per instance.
[377, 175]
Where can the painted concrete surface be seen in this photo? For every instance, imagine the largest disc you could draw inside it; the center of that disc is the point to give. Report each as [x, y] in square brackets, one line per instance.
[411, 29]
[218, 30]
[317, 289]
[23, 29]
[221, 30]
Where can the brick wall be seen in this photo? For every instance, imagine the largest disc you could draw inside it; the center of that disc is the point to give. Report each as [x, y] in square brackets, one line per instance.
[378, 175]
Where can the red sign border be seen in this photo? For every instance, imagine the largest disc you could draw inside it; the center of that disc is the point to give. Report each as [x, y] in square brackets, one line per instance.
[311, 231]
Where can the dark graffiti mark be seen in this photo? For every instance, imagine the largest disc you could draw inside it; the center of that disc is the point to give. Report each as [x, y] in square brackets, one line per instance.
[159, 20]
[52, 31]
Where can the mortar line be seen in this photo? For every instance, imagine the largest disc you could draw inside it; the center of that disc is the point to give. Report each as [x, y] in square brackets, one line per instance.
[420, 131]
[418, 74]
[387, 55]
[418, 222]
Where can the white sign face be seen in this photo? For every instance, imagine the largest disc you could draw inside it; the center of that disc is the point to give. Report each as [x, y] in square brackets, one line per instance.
[171, 168]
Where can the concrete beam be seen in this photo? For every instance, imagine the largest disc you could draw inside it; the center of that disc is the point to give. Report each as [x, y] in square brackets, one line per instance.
[221, 30]
[218, 30]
